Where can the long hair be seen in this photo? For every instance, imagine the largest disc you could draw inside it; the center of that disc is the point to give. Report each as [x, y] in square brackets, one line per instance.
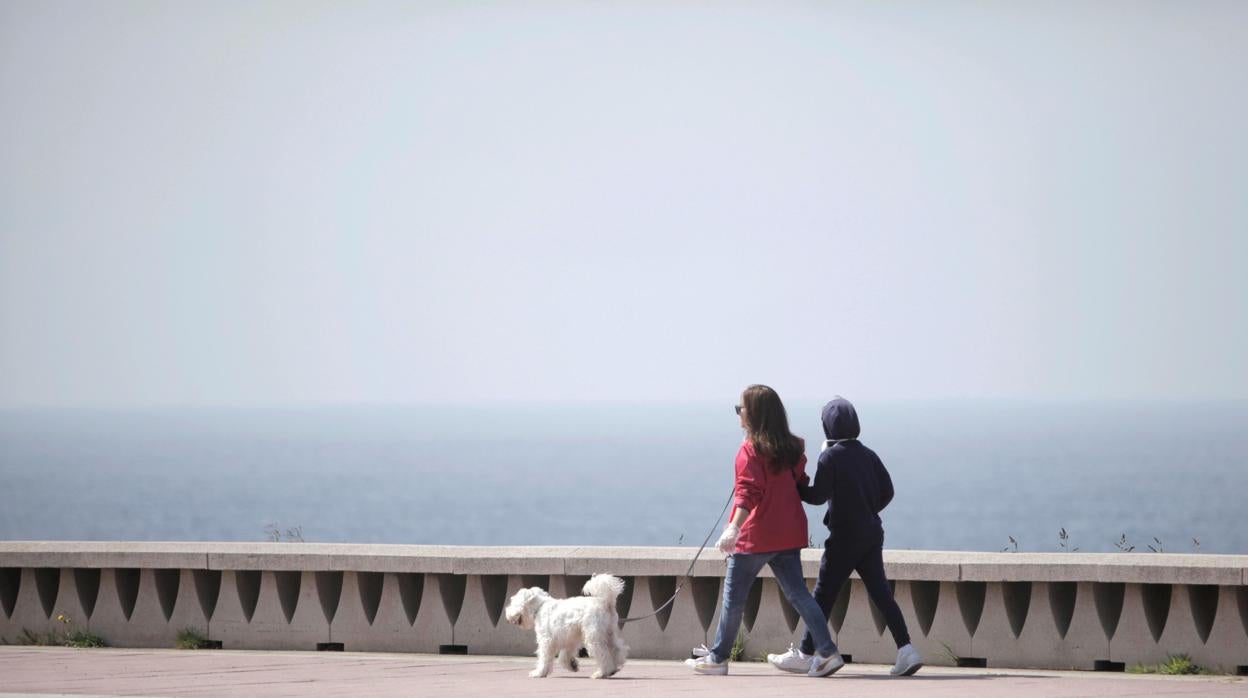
[767, 427]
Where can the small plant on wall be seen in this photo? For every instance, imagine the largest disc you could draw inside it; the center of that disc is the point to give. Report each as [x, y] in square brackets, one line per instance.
[192, 639]
[275, 534]
[67, 637]
[1064, 543]
[1175, 665]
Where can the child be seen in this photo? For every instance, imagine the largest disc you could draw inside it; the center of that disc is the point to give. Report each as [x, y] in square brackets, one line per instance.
[768, 527]
[856, 486]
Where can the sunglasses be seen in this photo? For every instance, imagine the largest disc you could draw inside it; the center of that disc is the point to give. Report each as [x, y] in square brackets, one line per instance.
[738, 408]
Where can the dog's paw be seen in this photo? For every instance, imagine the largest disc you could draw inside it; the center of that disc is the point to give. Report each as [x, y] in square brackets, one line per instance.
[537, 674]
[598, 675]
[574, 665]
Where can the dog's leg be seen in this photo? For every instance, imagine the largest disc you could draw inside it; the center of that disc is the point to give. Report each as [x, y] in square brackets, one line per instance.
[601, 651]
[567, 657]
[619, 650]
[545, 658]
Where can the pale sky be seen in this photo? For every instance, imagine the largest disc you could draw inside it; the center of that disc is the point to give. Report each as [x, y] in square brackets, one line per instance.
[341, 202]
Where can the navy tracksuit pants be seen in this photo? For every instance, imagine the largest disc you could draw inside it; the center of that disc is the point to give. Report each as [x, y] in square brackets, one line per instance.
[843, 555]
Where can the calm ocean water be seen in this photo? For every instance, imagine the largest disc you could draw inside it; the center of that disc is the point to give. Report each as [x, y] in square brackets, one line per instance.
[968, 475]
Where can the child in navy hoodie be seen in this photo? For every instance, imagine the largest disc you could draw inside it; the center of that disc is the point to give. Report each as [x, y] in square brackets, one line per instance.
[856, 486]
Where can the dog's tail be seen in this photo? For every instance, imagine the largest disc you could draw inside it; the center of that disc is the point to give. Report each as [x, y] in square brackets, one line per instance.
[605, 587]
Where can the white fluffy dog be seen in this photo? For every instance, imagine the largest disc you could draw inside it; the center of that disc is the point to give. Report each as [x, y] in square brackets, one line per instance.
[563, 626]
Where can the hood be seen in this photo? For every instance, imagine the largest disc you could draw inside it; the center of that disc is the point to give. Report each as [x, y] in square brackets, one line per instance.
[840, 420]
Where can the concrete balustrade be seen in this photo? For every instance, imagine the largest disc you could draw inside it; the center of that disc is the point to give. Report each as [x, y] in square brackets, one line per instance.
[1081, 610]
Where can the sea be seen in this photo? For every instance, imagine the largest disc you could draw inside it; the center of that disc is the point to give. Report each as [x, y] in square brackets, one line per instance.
[969, 475]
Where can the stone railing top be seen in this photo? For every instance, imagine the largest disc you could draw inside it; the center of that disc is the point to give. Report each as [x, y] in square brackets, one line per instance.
[1158, 568]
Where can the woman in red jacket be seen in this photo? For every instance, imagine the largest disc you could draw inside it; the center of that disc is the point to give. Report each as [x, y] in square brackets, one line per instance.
[768, 527]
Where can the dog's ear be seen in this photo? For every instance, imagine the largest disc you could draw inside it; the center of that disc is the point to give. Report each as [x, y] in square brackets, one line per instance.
[518, 607]
[523, 606]
[534, 599]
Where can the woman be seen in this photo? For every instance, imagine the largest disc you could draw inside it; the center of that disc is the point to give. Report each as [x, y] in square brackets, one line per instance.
[768, 527]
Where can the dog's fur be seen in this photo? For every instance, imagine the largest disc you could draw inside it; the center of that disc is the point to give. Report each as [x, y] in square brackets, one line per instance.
[563, 626]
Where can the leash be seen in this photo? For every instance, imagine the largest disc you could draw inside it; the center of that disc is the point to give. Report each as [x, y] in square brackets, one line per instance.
[688, 572]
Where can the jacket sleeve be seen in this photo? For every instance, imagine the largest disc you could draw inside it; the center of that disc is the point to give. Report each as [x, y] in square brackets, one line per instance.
[886, 486]
[820, 490]
[750, 480]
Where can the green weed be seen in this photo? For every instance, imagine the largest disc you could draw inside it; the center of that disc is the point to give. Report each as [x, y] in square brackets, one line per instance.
[1175, 665]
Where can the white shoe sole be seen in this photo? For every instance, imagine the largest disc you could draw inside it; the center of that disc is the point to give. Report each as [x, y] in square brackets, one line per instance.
[833, 665]
[793, 670]
[910, 670]
[720, 670]
[711, 672]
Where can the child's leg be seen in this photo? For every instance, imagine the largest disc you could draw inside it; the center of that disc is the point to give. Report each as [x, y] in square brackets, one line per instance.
[787, 567]
[834, 568]
[742, 569]
[871, 569]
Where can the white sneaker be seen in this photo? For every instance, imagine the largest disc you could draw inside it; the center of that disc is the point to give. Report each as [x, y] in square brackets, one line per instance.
[700, 651]
[908, 662]
[704, 665]
[793, 660]
[825, 666]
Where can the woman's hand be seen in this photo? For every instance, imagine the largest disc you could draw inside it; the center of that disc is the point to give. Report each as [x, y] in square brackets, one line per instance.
[728, 540]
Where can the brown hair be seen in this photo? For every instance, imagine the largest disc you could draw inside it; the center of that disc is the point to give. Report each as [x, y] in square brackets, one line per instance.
[767, 427]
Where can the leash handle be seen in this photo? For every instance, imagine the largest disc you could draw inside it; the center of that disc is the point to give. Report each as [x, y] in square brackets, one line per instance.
[688, 572]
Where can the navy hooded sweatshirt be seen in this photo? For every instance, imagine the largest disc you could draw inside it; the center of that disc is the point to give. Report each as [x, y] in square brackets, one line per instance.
[850, 478]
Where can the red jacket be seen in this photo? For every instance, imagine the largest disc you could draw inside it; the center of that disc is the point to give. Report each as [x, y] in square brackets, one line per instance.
[777, 520]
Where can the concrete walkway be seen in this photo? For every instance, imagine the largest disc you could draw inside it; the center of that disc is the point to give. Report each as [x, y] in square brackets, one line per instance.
[132, 672]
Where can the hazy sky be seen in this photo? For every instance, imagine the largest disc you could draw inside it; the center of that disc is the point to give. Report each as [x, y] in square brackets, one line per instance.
[288, 202]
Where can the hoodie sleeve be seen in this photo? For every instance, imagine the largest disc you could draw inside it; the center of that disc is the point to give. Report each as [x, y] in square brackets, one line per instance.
[886, 486]
[820, 490]
[750, 480]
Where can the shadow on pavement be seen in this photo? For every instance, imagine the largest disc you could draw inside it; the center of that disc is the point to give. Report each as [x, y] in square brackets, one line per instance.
[937, 677]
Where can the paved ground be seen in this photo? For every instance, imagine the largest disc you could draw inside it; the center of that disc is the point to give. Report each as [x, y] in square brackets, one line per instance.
[52, 670]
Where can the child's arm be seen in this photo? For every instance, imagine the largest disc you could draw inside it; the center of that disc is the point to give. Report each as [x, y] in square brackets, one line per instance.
[886, 486]
[820, 490]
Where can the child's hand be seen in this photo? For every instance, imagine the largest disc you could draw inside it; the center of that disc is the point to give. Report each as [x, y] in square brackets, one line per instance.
[728, 540]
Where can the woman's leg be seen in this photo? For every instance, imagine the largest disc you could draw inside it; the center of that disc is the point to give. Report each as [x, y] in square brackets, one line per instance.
[787, 567]
[742, 569]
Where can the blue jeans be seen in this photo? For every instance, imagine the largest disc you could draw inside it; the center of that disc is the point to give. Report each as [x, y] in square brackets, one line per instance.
[787, 566]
